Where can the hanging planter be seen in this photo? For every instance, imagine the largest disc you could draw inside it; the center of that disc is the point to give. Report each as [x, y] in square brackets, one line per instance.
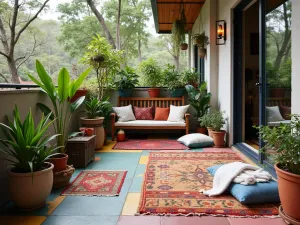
[202, 52]
[179, 31]
[184, 46]
[201, 40]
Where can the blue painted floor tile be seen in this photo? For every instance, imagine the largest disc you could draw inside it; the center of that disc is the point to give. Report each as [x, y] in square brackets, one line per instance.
[81, 220]
[138, 179]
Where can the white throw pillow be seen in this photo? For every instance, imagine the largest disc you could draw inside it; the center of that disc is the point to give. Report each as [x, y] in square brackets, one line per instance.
[196, 140]
[273, 114]
[177, 113]
[124, 113]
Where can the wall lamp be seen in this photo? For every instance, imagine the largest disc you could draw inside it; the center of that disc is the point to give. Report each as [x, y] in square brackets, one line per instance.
[221, 32]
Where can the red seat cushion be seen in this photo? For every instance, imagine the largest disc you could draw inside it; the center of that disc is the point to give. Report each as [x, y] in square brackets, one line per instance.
[143, 113]
[161, 113]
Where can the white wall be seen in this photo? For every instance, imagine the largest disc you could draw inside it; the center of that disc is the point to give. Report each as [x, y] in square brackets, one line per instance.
[295, 56]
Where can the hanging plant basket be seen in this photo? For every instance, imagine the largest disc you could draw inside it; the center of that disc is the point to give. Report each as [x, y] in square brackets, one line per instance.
[184, 46]
[202, 52]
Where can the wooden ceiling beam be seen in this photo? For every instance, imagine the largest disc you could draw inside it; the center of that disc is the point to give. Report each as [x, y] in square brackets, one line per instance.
[178, 3]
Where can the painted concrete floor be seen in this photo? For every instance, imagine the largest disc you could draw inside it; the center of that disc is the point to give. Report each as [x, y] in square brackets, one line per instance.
[120, 210]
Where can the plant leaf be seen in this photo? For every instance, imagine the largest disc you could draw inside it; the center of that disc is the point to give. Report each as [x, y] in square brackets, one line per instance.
[63, 84]
[77, 104]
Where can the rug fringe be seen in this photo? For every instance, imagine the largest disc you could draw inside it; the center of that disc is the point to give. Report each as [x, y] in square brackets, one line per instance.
[206, 214]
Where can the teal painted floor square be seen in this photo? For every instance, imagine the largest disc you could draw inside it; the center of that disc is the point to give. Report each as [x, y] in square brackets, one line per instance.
[81, 220]
[136, 185]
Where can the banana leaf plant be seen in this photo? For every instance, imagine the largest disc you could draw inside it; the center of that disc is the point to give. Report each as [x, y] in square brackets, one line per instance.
[60, 97]
[199, 99]
[27, 145]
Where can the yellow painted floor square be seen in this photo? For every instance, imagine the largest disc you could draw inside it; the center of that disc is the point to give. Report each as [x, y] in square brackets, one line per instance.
[131, 204]
[22, 220]
[53, 204]
[144, 159]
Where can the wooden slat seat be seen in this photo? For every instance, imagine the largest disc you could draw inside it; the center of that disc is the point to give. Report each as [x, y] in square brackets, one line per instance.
[149, 102]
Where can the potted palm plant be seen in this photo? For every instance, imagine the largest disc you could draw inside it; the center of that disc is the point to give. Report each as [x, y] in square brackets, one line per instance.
[172, 79]
[62, 107]
[93, 120]
[28, 148]
[199, 100]
[217, 122]
[127, 79]
[201, 40]
[284, 142]
[151, 76]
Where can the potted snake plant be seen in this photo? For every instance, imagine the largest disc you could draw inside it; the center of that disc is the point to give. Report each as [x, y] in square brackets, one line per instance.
[28, 147]
[63, 108]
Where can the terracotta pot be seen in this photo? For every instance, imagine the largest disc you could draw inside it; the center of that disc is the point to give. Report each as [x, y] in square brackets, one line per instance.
[30, 192]
[153, 92]
[218, 137]
[202, 52]
[184, 46]
[79, 93]
[210, 129]
[288, 187]
[277, 92]
[201, 130]
[97, 124]
[59, 162]
[121, 136]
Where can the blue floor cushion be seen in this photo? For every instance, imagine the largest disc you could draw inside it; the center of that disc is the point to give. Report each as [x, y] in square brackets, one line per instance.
[196, 140]
[252, 194]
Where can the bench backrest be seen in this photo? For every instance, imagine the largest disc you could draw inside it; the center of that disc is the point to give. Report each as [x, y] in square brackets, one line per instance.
[148, 102]
[278, 102]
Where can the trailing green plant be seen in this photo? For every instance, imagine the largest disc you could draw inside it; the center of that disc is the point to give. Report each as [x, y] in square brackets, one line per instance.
[217, 119]
[105, 60]
[28, 146]
[92, 108]
[172, 78]
[201, 40]
[60, 99]
[151, 73]
[191, 76]
[178, 32]
[126, 79]
[284, 142]
[199, 99]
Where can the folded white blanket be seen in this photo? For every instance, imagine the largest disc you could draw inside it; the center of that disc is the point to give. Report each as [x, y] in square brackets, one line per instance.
[239, 173]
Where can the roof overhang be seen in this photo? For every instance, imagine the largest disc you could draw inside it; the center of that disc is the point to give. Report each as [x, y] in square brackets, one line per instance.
[165, 12]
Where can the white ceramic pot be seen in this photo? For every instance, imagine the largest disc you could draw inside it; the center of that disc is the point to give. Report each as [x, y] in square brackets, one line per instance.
[29, 192]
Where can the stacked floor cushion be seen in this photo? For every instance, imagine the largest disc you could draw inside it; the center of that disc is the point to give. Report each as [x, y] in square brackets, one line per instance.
[252, 194]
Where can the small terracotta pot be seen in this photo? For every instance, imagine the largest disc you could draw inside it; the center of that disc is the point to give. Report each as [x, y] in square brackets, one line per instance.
[29, 191]
[184, 46]
[288, 187]
[59, 161]
[153, 92]
[201, 130]
[121, 136]
[218, 137]
[210, 129]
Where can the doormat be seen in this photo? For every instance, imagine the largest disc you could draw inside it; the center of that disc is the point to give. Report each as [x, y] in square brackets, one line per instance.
[173, 180]
[96, 183]
[150, 145]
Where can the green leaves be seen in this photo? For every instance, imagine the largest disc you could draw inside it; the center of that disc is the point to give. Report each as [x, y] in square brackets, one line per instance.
[63, 84]
[77, 104]
[74, 86]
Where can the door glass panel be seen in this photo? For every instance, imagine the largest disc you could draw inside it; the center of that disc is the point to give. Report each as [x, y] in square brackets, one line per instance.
[278, 63]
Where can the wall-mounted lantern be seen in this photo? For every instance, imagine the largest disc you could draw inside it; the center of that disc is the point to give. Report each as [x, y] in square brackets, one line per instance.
[221, 32]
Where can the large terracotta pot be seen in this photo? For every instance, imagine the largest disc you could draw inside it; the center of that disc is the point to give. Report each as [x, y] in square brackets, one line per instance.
[153, 92]
[289, 192]
[97, 124]
[29, 191]
[79, 93]
[218, 137]
[210, 129]
[59, 162]
[201, 130]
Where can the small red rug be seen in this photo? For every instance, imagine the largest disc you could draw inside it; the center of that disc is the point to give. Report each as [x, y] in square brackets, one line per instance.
[96, 183]
[173, 180]
[150, 145]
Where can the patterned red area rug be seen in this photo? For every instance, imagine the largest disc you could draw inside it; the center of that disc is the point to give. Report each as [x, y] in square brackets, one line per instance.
[150, 145]
[97, 183]
[173, 180]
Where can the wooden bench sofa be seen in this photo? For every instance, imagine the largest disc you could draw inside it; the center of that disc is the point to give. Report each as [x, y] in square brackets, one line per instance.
[149, 124]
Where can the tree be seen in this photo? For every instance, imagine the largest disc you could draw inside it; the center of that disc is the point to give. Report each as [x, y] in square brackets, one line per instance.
[13, 23]
[174, 50]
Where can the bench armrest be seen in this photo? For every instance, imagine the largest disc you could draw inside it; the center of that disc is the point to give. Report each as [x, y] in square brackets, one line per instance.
[113, 117]
[187, 122]
[187, 116]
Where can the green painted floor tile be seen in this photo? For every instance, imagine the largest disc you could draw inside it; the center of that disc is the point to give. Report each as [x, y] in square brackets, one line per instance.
[81, 220]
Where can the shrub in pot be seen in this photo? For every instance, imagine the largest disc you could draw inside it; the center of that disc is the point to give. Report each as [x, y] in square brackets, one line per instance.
[28, 147]
[172, 79]
[191, 77]
[217, 122]
[62, 107]
[199, 100]
[151, 76]
[93, 120]
[284, 141]
[201, 40]
[206, 121]
[127, 79]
